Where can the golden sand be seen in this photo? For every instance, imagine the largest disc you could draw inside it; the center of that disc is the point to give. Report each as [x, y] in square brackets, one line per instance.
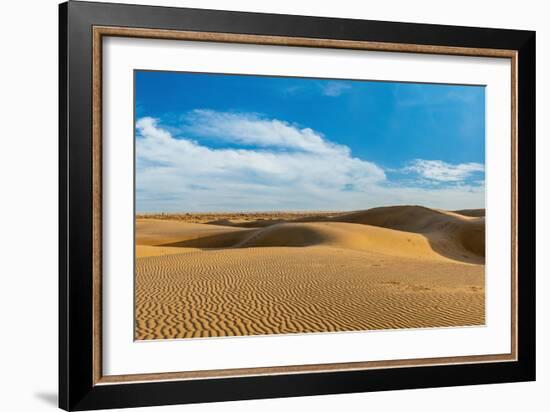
[395, 267]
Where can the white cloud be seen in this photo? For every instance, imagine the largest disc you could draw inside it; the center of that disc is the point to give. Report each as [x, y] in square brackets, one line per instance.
[286, 168]
[334, 88]
[252, 129]
[187, 172]
[439, 171]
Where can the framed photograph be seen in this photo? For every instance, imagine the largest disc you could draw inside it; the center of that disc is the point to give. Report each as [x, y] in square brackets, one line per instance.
[256, 205]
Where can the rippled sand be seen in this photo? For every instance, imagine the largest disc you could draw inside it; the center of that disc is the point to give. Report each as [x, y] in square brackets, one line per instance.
[404, 267]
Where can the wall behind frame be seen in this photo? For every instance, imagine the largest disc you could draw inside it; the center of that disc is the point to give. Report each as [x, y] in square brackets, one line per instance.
[28, 206]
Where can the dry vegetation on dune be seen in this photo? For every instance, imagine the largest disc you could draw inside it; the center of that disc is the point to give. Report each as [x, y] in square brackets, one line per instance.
[201, 275]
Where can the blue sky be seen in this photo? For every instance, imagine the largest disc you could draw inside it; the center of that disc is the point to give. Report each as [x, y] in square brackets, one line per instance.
[215, 142]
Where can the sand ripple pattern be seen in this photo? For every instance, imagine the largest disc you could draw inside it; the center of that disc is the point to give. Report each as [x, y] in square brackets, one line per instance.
[274, 290]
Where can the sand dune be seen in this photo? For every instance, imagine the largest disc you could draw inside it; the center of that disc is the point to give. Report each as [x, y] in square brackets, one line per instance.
[393, 267]
[410, 231]
[175, 234]
[345, 236]
[449, 234]
[148, 251]
[254, 291]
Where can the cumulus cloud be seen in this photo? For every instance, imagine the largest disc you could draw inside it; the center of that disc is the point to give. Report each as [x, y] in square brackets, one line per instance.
[252, 129]
[277, 166]
[190, 175]
[439, 171]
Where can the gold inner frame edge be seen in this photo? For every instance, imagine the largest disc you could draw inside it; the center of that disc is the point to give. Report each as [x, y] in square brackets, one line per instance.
[101, 31]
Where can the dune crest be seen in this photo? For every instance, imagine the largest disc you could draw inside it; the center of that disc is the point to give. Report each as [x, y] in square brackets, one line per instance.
[450, 234]
[471, 212]
[412, 231]
[342, 235]
[166, 233]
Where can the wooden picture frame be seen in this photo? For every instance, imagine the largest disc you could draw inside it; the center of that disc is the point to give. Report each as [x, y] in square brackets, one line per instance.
[82, 385]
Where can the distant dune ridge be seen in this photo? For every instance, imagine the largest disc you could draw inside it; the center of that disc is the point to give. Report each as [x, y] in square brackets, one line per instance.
[248, 274]
[413, 230]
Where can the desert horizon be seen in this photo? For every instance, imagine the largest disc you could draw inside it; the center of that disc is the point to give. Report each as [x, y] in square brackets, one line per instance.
[258, 273]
